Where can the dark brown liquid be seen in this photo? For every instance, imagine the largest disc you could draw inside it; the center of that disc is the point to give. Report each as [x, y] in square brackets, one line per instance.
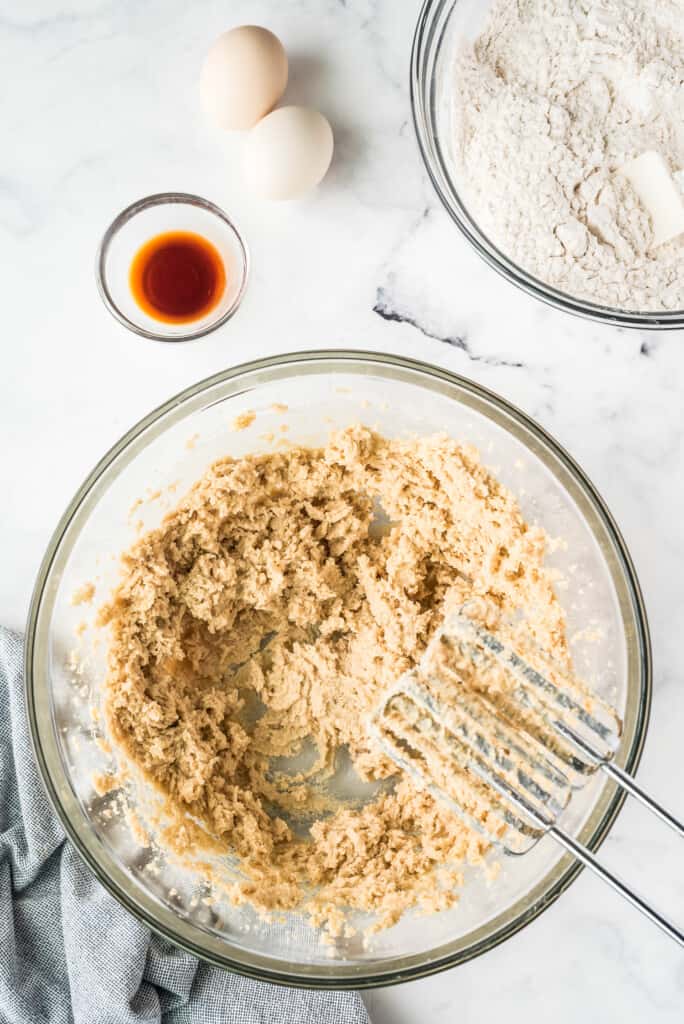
[177, 277]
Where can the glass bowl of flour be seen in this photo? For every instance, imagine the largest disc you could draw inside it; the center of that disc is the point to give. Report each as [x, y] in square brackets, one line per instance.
[530, 118]
[111, 818]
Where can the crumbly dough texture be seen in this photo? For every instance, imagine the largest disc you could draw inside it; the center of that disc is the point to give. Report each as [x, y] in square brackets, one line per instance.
[271, 609]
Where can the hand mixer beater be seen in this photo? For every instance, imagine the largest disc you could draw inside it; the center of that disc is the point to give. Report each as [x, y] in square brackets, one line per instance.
[506, 753]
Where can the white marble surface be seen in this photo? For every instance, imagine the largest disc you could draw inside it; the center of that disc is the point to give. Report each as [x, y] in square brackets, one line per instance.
[98, 107]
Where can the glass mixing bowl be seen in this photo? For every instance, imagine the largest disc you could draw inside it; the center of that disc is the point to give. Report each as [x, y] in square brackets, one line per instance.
[170, 448]
[441, 25]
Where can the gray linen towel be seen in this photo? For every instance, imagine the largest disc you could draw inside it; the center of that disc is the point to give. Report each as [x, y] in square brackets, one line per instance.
[70, 954]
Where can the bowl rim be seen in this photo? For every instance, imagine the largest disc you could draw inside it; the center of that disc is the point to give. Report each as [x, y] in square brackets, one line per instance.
[428, 35]
[131, 211]
[353, 975]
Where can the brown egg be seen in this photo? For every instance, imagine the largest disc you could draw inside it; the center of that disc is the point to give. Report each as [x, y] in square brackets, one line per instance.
[288, 153]
[243, 77]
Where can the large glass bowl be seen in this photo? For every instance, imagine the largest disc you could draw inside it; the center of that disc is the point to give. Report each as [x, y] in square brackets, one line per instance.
[171, 447]
[441, 25]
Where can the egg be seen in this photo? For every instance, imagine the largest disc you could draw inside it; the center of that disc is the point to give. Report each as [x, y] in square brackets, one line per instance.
[243, 77]
[288, 153]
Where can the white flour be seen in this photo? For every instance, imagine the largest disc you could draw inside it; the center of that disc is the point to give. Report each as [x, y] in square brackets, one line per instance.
[548, 103]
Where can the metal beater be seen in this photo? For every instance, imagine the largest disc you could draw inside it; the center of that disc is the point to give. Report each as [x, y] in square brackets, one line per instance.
[506, 764]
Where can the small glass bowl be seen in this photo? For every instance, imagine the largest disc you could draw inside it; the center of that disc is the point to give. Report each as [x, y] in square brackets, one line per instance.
[142, 220]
